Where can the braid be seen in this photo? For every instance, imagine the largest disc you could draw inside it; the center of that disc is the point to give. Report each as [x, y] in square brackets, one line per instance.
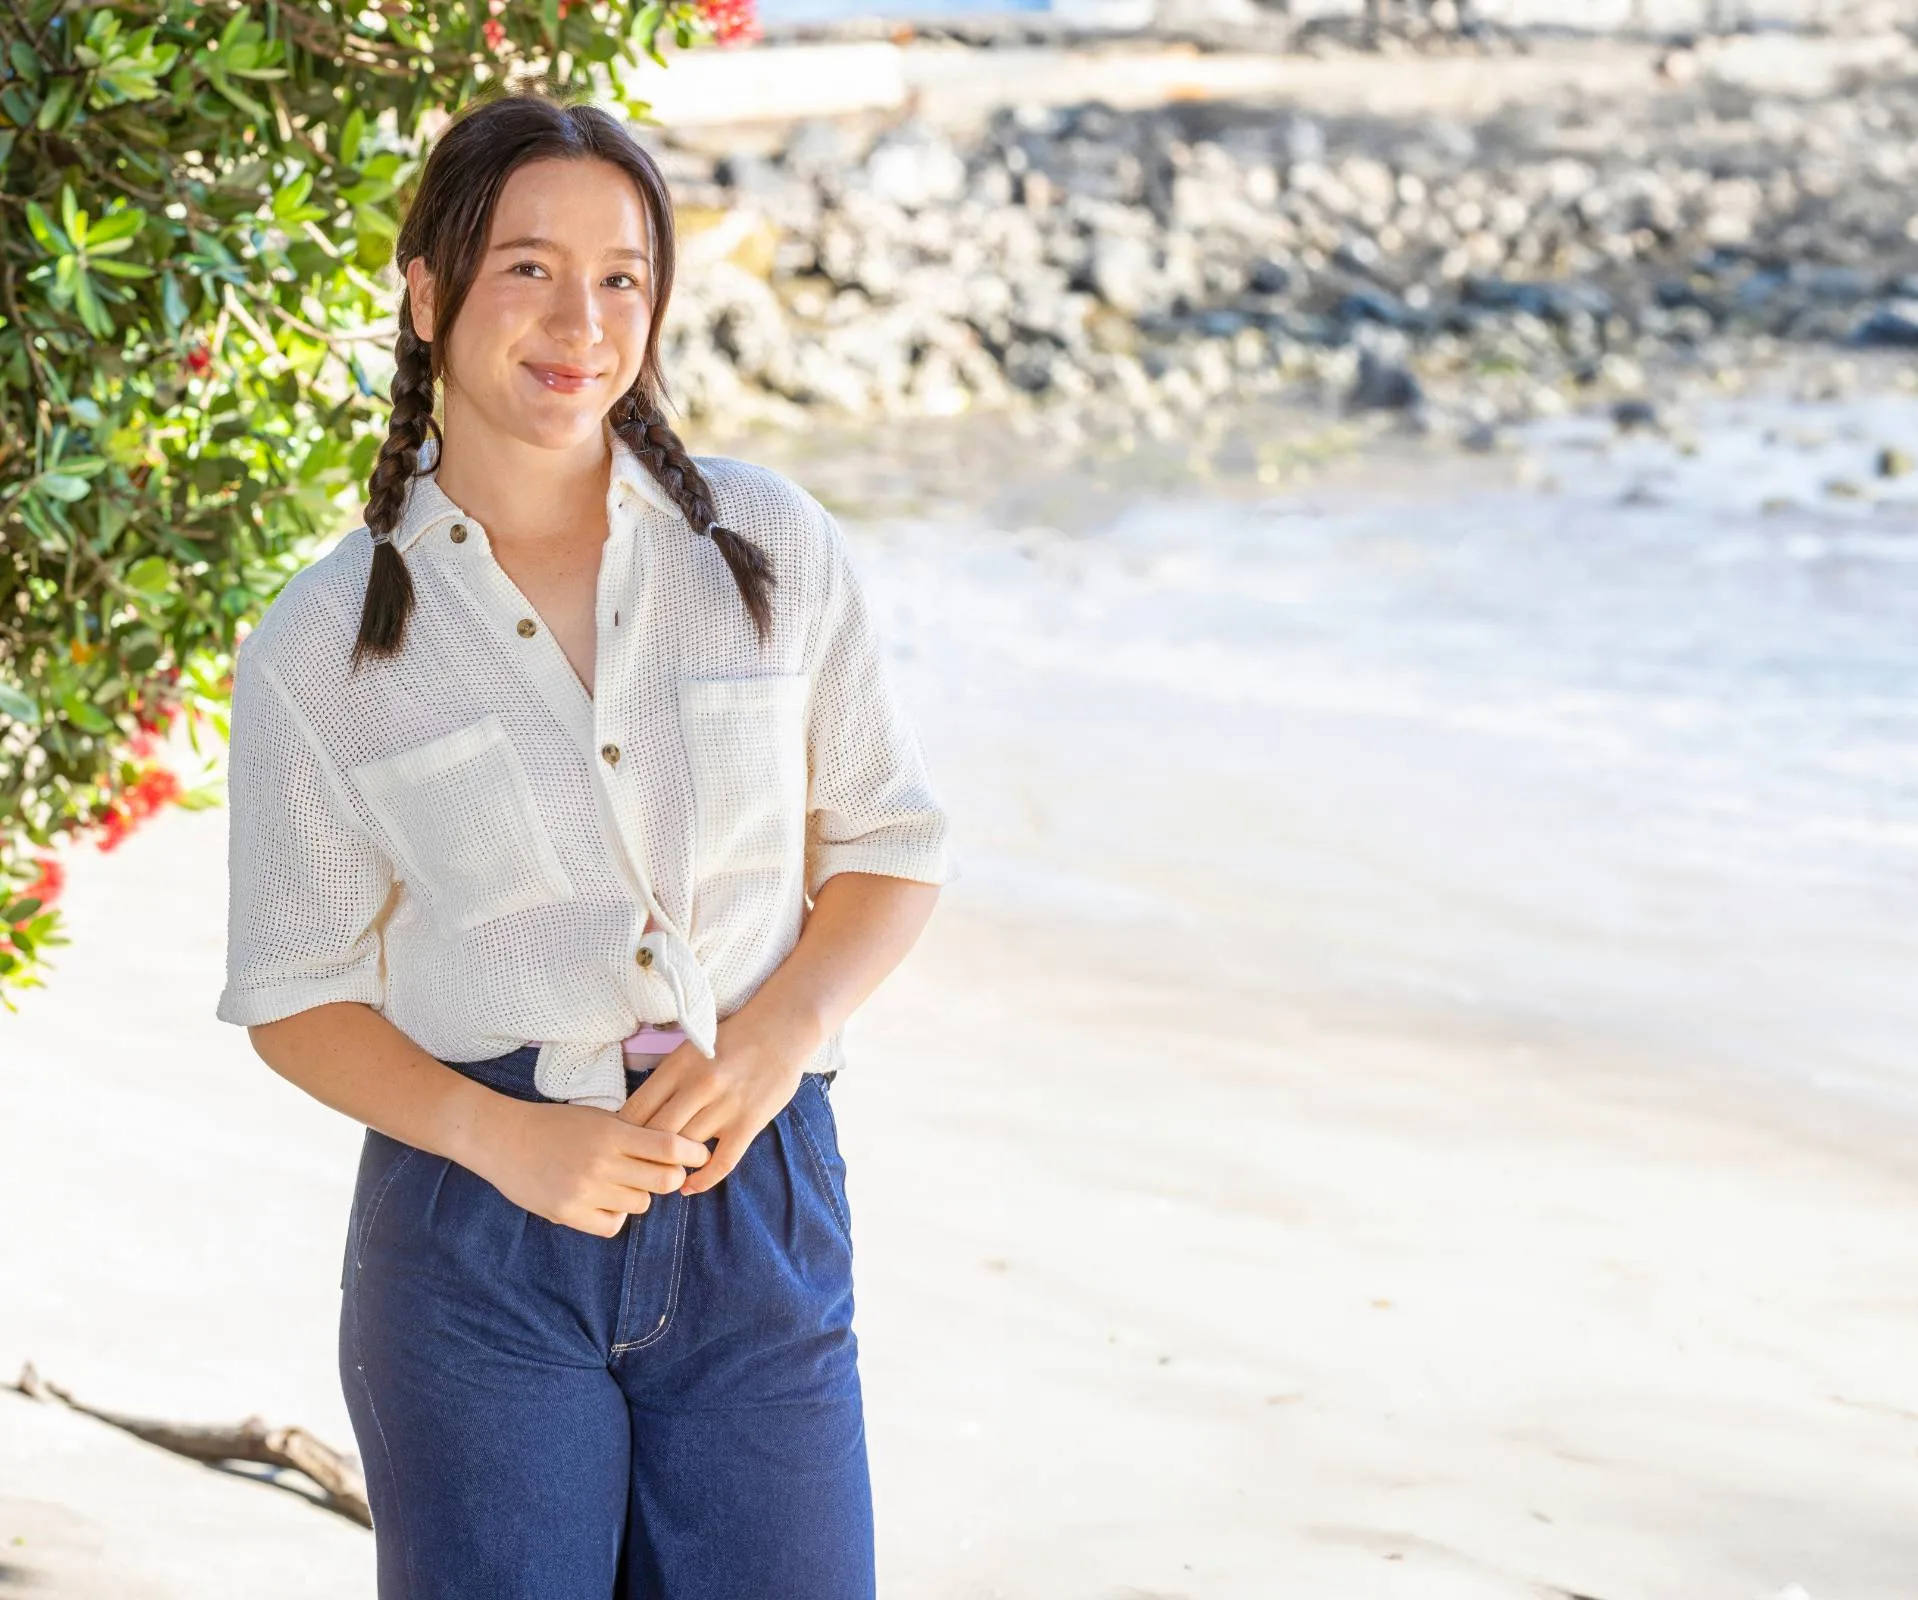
[643, 426]
[389, 587]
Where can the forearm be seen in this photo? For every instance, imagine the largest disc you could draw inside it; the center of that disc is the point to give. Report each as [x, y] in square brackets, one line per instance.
[860, 928]
[351, 1058]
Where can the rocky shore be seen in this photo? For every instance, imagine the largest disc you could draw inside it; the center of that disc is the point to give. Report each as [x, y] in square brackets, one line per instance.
[1133, 270]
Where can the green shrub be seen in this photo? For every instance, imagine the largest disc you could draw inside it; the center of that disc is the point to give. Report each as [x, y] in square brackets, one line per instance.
[197, 202]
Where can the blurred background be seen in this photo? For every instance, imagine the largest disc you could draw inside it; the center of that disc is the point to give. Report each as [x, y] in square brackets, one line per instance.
[1398, 525]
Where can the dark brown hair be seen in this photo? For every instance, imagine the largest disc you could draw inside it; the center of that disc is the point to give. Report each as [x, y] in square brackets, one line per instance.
[447, 227]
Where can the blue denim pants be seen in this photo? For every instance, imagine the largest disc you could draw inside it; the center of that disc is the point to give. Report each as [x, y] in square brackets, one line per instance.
[669, 1414]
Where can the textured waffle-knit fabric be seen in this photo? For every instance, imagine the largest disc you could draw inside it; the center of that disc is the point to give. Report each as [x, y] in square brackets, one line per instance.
[446, 836]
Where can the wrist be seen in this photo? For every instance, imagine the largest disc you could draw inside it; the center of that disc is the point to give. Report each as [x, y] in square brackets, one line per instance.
[476, 1123]
[791, 1027]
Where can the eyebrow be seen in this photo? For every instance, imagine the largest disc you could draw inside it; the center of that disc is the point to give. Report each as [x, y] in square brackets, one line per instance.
[553, 247]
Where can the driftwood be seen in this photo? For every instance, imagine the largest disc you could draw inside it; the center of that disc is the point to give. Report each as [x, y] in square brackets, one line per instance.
[341, 1487]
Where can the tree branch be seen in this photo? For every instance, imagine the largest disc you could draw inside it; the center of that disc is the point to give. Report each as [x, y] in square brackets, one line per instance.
[250, 1441]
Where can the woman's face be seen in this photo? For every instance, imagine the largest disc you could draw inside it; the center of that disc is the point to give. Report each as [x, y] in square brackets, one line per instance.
[553, 329]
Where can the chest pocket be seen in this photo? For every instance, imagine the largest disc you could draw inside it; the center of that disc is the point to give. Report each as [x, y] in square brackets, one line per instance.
[461, 816]
[746, 746]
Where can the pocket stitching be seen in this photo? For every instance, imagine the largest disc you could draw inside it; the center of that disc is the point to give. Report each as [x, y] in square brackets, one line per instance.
[379, 1200]
[672, 1289]
[773, 696]
[820, 1170]
[379, 780]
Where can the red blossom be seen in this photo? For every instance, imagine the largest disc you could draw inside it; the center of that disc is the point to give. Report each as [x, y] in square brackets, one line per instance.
[495, 32]
[732, 21]
[198, 359]
[154, 788]
[48, 887]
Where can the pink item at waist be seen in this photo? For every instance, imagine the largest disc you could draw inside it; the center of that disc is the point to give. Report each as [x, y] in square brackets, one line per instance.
[650, 1041]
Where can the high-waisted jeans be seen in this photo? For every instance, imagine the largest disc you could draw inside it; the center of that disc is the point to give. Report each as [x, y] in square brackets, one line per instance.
[670, 1414]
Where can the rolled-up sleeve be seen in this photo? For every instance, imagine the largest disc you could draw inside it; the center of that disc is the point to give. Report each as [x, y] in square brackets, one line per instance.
[871, 806]
[306, 887]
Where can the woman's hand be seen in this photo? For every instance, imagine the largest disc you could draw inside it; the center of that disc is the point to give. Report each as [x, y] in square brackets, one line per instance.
[859, 928]
[754, 1072]
[578, 1166]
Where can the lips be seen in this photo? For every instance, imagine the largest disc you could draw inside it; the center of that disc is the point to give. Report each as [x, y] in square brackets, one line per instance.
[562, 379]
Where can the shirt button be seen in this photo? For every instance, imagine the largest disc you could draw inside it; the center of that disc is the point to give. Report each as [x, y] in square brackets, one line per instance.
[458, 535]
[609, 753]
[644, 956]
[527, 627]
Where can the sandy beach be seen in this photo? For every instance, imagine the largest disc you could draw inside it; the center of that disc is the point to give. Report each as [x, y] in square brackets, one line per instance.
[1321, 1148]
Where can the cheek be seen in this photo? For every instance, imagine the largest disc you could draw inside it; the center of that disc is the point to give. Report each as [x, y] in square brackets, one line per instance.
[626, 328]
[494, 318]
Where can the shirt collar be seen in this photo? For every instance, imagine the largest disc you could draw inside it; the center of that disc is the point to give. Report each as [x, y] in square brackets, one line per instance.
[428, 507]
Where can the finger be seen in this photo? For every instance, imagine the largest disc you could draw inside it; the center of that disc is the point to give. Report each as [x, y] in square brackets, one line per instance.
[732, 1145]
[602, 1224]
[656, 1144]
[653, 1177]
[686, 1103]
[658, 1088]
[705, 1124]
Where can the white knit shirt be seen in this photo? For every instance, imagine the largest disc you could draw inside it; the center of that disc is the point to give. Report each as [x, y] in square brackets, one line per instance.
[464, 839]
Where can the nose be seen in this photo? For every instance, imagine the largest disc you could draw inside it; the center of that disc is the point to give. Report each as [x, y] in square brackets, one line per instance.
[572, 316]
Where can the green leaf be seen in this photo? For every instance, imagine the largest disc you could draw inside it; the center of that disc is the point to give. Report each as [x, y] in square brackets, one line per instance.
[350, 136]
[85, 715]
[72, 216]
[61, 486]
[16, 705]
[49, 238]
[172, 303]
[118, 228]
[150, 576]
[20, 910]
[92, 313]
[293, 196]
[54, 107]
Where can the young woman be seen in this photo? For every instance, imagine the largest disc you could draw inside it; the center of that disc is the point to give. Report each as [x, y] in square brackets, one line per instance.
[572, 815]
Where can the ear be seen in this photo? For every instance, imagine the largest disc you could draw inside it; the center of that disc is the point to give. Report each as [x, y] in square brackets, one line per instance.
[420, 296]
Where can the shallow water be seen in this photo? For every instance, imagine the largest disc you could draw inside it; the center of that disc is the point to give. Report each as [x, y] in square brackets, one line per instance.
[1611, 744]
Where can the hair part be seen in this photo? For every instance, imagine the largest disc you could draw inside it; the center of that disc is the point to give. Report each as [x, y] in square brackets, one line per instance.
[447, 227]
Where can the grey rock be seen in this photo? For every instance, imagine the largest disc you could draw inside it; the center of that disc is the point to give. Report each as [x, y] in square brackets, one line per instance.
[915, 168]
[1893, 326]
[1124, 272]
[1383, 385]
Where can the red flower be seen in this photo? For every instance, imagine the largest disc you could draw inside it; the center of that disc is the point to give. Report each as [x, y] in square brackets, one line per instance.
[114, 828]
[198, 359]
[732, 21]
[154, 788]
[48, 886]
[495, 32]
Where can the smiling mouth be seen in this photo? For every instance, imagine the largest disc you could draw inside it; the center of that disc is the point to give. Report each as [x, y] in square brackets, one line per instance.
[563, 380]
